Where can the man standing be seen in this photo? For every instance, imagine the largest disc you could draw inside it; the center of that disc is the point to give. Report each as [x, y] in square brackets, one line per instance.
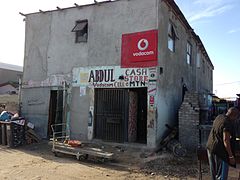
[220, 145]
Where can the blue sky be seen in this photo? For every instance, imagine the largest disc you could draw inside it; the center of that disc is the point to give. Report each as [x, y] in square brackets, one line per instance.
[217, 22]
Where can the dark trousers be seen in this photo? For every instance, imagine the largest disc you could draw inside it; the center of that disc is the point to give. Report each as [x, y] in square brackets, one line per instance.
[218, 167]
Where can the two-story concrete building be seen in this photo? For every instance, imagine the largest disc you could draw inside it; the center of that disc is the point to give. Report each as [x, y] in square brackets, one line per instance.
[115, 71]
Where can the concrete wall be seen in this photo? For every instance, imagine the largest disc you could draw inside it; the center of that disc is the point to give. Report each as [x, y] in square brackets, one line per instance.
[205, 76]
[79, 115]
[51, 51]
[175, 70]
[51, 44]
[35, 108]
[50, 48]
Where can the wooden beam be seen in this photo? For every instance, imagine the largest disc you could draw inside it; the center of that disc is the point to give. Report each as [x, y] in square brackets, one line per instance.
[22, 14]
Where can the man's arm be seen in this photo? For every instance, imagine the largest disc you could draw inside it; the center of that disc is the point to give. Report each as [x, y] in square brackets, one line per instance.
[226, 141]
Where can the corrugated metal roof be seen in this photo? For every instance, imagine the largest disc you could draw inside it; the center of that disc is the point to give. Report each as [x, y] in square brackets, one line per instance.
[11, 67]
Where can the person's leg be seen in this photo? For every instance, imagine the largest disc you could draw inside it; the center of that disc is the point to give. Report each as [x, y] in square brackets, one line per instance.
[219, 165]
[225, 167]
[221, 169]
[212, 165]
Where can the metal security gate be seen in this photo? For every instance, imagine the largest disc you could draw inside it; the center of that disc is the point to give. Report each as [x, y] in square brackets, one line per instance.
[111, 106]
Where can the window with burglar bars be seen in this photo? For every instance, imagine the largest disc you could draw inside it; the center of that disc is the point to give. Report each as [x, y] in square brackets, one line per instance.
[189, 53]
[81, 31]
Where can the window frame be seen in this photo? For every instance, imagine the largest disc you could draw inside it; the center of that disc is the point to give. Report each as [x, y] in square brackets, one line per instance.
[171, 37]
[79, 34]
[198, 63]
[189, 53]
[203, 64]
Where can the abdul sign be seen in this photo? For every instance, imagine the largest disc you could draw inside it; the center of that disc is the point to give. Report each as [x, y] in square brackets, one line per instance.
[110, 77]
[139, 49]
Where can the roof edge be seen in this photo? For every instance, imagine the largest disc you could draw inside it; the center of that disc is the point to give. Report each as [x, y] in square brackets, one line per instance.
[11, 67]
[76, 6]
[170, 3]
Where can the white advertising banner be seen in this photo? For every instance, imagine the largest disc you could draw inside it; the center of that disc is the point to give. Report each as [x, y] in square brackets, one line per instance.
[110, 77]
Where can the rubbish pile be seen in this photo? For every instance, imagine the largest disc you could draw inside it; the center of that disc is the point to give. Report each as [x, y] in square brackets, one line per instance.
[15, 130]
[172, 144]
[172, 167]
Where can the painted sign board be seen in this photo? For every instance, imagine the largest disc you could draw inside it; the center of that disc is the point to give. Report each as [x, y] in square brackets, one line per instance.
[110, 77]
[140, 49]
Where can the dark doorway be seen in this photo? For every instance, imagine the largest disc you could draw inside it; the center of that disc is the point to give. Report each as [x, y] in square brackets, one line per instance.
[111, 114]
[55, 109]
[121, 115]
[140, 114]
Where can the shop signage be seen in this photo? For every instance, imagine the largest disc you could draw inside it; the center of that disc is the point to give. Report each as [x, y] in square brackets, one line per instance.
[111, 77]
[139, 49]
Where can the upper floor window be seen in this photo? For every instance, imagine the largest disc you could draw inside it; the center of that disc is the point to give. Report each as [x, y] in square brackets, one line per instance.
[171, 37]
[198, 60]
[189, 53]
[81, 31]
[203, 66]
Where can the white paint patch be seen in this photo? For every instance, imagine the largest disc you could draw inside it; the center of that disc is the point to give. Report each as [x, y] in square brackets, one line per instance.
[82, 90]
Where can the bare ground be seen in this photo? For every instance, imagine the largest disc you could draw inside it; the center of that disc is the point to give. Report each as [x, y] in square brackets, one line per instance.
[37, 162]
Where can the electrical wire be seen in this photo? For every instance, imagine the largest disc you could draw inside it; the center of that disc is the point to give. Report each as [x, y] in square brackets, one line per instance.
[235, 82]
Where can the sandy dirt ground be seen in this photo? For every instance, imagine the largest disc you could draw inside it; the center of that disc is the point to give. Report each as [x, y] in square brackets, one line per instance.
[37, 162]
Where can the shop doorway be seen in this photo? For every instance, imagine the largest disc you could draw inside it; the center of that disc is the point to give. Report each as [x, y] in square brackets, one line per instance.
[111, 114]
[121, 115]
[55, 115]
[137, 128]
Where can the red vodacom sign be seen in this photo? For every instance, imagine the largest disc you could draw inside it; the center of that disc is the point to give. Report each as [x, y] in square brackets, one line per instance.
[140, 49]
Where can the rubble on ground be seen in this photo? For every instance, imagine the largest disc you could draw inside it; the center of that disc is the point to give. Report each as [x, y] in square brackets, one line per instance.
[169, 165]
